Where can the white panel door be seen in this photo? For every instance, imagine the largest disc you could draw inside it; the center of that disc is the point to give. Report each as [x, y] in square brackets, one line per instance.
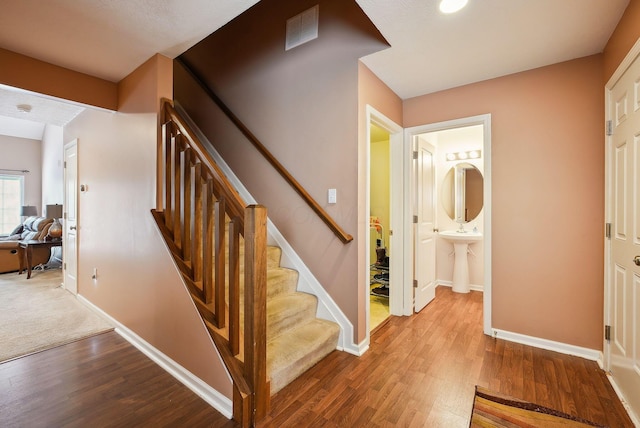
[70, 253]
[624, 212]
[425, 243]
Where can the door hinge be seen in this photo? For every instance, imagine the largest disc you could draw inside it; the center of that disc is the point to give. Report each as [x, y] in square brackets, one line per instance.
[609, 128]
[415, 283]
[64, 266]
[415, 219]
[607, 333]
[607, 230]
[64, 164]
[415, 155]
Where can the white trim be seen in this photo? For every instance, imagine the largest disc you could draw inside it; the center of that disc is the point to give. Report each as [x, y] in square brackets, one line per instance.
[214, 398]
[608, 216]
[485, 120]
[628, 60]
[397, 270]
[361, 348]
[634, 418]
[307, 282]
[446, 283]
[626, 63]
[550, 345]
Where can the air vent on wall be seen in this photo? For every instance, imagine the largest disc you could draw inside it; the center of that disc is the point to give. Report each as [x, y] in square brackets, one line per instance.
[302, 28]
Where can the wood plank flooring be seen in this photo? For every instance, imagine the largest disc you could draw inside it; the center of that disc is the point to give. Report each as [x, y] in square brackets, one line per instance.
[101, 381]
[419, 372]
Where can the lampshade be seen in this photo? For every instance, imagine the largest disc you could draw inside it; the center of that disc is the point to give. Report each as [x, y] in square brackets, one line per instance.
[28, 210]
[54, 211]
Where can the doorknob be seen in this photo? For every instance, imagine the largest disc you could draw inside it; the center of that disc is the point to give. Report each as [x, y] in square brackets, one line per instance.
[636, 260]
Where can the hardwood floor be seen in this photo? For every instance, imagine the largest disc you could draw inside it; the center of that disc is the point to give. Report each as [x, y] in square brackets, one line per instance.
[419, 372]
[101, 381]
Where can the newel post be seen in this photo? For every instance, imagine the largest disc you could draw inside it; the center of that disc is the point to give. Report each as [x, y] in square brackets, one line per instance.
[255, 283]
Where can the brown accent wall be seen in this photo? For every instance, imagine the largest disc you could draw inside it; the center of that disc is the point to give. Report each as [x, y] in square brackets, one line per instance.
[623, 38]
[303, 105]
[547, 186]
[137, 283]
[31, 74]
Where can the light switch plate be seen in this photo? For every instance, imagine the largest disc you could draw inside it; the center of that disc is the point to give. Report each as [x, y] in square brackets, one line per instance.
[332, 196]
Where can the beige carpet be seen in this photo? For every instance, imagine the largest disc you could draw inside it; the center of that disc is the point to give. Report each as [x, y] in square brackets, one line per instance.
[38, 314]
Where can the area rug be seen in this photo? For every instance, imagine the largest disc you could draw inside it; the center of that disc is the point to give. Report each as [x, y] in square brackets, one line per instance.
[38, 314]
[495, 410]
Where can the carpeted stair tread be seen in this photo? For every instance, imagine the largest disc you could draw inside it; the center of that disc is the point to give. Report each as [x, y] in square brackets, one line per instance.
[281, 281]
[289, 310]
[296, 351]
[273, 255]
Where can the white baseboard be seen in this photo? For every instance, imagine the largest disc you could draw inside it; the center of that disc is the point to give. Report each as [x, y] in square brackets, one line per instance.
[307, 282]
[550, 345]
[215, 399]
[634, 418]
[357, 350]
[473, 287]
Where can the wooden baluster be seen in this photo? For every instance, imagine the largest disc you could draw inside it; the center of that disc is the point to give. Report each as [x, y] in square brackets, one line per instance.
[255, 300]
[187, 208]
[209, 211]
[177, 192]
[198, 225]
[220, 263]
[234, 285]
[169, 144]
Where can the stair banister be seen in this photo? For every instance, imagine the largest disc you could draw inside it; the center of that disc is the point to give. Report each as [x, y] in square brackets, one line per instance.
[324, 216]
[193, 199]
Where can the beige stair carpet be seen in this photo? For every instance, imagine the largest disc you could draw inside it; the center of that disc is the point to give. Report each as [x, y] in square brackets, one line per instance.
[38, 314]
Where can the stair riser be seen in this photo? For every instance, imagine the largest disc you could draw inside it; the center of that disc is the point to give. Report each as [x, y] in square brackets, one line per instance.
[280, 321]
[273, 257]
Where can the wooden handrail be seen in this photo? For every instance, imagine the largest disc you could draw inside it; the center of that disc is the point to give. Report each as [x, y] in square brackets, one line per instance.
[195, 199]
[324, 216]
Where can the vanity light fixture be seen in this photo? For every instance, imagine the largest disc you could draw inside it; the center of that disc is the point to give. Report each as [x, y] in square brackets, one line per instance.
[452, 6]
[469, 154]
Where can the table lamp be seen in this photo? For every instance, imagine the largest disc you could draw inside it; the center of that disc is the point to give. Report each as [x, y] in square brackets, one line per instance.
[55, 212]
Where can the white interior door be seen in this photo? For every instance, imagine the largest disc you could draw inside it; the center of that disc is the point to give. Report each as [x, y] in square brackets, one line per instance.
[70, 253]
[624, 215]
[424, 238]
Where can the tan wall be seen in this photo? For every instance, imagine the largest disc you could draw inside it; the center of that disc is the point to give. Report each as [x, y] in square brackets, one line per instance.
[137, 282]
[302, 105]
[547, 194]
[623, 38]
[27, 73]
[24, 154]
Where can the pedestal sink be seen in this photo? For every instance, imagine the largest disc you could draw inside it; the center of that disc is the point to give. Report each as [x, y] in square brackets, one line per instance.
[461, 242]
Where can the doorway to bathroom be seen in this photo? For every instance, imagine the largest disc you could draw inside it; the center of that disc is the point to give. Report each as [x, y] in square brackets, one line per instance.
[451, 219]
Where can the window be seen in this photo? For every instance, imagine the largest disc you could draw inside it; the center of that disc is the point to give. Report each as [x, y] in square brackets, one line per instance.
[10, 202]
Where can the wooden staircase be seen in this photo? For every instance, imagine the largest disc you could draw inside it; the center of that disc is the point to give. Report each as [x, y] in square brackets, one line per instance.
[266, 331]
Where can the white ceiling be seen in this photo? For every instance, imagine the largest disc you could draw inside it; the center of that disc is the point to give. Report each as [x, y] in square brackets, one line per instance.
[429, 51]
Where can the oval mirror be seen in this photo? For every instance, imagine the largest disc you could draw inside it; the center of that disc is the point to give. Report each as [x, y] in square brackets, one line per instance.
[462, 192]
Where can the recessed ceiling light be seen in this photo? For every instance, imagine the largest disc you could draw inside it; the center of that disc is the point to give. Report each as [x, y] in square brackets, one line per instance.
[452, 6]
[23, 108]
